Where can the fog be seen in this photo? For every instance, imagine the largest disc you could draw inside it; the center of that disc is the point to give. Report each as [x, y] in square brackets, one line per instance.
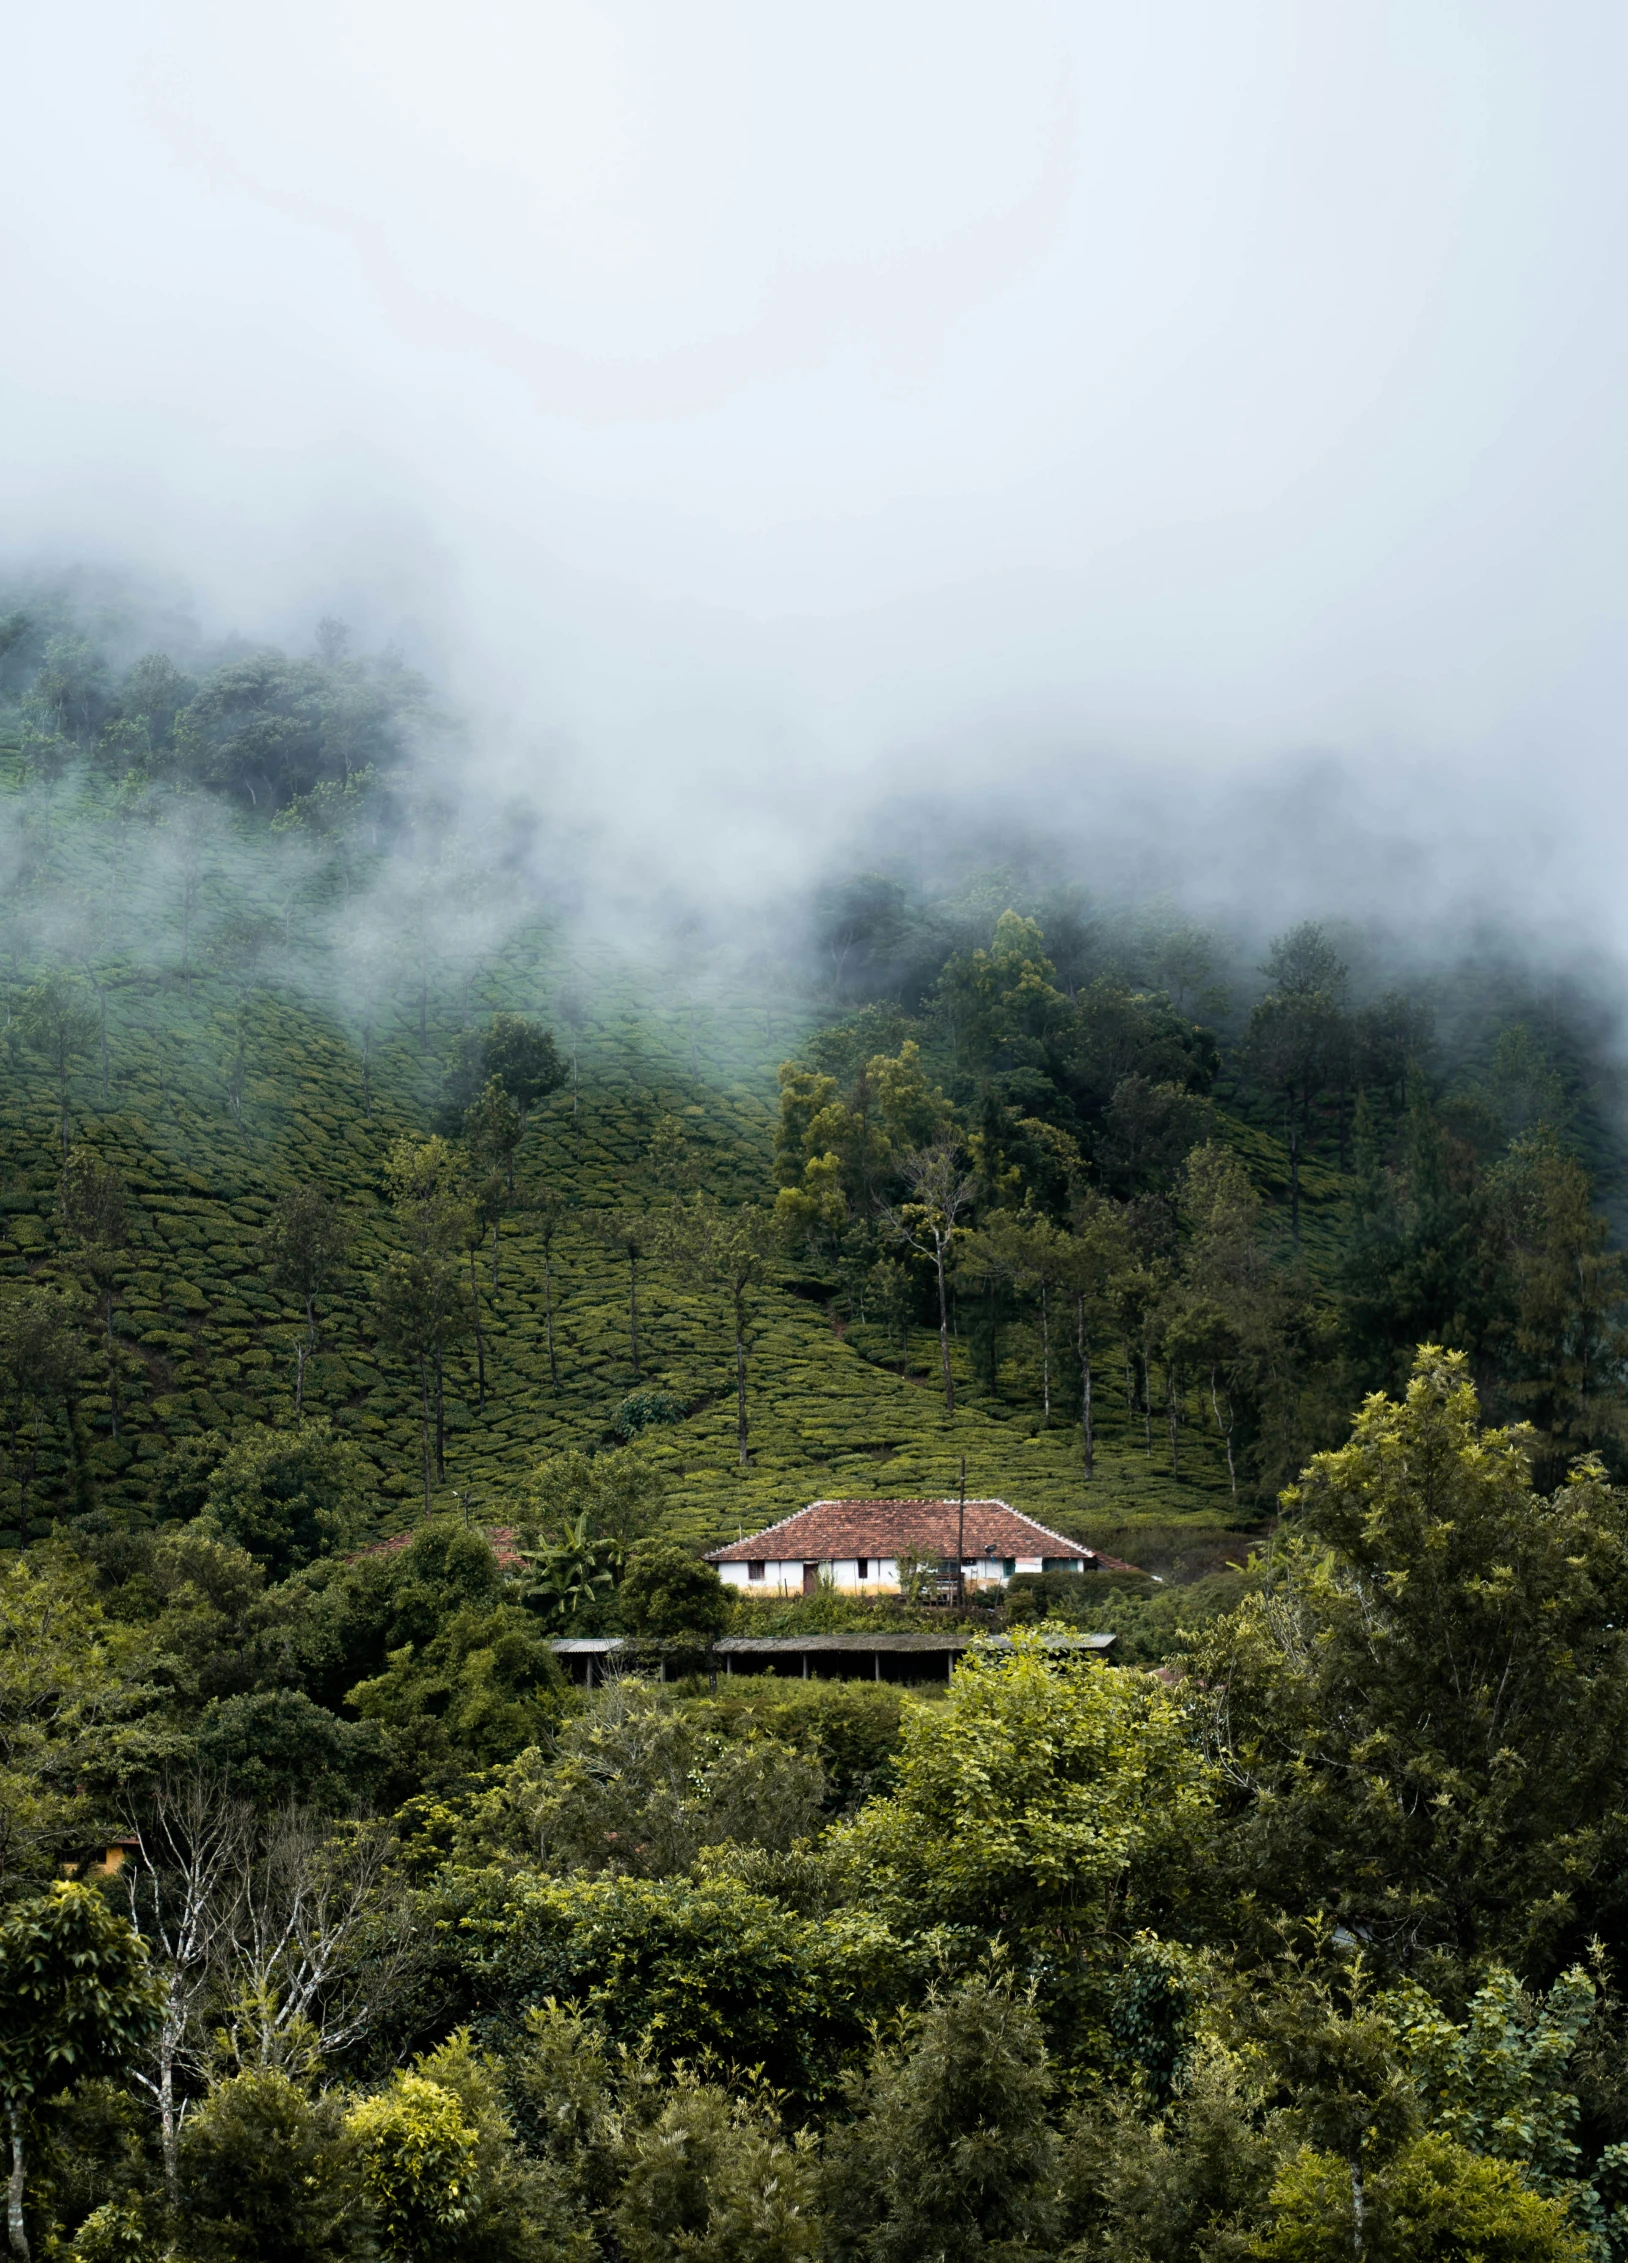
[1190, 432]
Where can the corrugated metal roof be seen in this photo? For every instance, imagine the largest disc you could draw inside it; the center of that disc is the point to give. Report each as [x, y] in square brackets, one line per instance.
[786, 1645]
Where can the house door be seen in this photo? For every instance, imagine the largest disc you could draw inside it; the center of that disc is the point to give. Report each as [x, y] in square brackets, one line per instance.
[811, 1579]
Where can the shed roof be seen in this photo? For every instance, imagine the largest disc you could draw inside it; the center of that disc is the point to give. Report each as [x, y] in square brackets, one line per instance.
[868, 1645]
[834, 1531]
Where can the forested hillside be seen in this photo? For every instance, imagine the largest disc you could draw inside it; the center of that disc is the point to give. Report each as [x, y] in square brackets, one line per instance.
[361, 1185]
[253, 940]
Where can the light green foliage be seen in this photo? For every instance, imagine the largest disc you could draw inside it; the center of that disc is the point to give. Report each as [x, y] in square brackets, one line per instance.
[1060, 1794]
[69, 1680]
[418, 2166]
[1434, 2203]
[1429, 1692]
[836, 1153]
[713, 2180]
[1498, 2082]
[289, 1496]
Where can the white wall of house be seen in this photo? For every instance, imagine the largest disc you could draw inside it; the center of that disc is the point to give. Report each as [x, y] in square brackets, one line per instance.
[881, 1574]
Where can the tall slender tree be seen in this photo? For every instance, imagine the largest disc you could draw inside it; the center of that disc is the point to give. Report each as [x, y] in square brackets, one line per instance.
[59, 1024]
[730, 1253]
[93, 1206]
[940, 1193]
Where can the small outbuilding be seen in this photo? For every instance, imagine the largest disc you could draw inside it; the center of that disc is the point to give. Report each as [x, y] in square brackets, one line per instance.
[867, 1547]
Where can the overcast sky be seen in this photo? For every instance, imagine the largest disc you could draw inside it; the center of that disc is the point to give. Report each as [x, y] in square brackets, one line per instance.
[763, 400]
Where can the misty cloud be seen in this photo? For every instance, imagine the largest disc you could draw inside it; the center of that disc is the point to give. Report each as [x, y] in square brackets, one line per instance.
[754, 416]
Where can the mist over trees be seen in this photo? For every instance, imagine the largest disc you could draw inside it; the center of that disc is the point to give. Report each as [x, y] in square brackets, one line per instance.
[398, 1277]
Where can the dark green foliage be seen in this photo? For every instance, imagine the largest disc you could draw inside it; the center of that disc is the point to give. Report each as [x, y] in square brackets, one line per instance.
[1048, 1201]
[702, 1969]
[270, 2176]
[288, 1496]
[852, 1729]
[666, 1592]
[274, 1745]
[570, 1581]
[951, 2153]
[644, 1410]
[306, 1240]
[77, 2000]
[1432, 1683]
[713, 2178]
[641, 1788]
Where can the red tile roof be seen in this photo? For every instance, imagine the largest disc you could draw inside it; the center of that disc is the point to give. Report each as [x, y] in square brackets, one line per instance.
[499, 1536]
[831, 1530]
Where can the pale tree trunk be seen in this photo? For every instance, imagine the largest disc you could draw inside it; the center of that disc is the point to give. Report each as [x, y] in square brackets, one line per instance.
[15, 2228]
[944, 1328]
[1171, 1410]
[1086, 1430]
[740, 1378]
[1225, 1430]
[480, 1341]
[1045, 1357]
[424, 1391]
[112, 1362]
[548, 1316]
[166, 2118]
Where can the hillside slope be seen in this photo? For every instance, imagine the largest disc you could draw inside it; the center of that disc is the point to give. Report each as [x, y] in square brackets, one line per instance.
[225, 1089]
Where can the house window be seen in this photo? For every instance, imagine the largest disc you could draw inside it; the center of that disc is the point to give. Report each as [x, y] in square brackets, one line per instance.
[864, 1567]
[1009, 1567]
[755, 1571]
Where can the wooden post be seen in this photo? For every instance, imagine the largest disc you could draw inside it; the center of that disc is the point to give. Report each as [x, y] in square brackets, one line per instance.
[961, 1541]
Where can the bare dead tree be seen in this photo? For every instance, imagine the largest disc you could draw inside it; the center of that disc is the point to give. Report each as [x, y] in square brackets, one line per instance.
[184, 1882]
[321, 1938]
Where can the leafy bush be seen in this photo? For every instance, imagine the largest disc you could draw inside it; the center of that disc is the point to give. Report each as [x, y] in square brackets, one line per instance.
[667, 1593]
[288, 1496]
[646, 1410]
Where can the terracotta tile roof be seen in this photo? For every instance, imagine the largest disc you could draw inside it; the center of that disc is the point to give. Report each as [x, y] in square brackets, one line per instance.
[830, 1530]
[500, 1536]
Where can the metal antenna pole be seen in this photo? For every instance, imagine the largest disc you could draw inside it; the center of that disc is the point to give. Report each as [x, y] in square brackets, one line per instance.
[961, 1542]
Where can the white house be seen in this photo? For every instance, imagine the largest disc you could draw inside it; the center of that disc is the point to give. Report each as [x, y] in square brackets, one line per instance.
[859, 1546]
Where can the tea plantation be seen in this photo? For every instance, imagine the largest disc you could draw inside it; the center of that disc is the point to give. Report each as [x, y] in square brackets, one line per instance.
[226, 1074]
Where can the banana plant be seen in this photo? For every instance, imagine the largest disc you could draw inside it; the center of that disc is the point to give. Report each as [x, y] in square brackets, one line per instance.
[566, 1577]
